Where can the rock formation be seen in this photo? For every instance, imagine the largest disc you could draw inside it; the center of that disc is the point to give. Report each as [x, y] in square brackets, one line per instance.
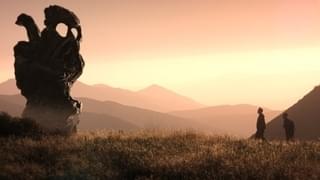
[47, 66]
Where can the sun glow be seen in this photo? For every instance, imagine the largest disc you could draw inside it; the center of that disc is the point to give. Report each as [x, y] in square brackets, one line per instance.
[216, 52]
[219, 78]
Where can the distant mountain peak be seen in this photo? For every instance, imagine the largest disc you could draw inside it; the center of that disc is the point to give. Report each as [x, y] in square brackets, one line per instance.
[156, 93]
[153, 97]
[154, 88]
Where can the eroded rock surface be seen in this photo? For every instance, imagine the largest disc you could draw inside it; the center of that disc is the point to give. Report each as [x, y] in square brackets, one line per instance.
[47, 66]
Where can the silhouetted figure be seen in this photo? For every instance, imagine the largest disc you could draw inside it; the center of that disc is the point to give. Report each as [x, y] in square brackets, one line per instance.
[261, 125]
[288, 126]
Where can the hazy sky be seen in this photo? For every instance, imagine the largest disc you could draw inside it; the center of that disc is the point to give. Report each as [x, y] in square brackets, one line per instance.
[262, 52]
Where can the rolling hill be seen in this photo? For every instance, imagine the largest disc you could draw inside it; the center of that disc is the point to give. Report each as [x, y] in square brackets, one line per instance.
[9, 107]
[111, 115]
[140, 117]
[154, 97]
[93, 121]
[306, 115]
[14, 105]
[235, 120]
[232, 119]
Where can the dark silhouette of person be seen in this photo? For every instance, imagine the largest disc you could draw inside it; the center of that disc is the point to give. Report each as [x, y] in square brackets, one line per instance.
[288, 126]
[261, 125]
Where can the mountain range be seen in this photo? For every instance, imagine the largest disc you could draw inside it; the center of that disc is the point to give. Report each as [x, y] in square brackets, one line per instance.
[183, 112]
[110, 115]
[231, 119]
[99, 115]
[153, 97]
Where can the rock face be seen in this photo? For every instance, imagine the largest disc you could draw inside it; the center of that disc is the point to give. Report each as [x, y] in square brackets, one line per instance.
[47, 66]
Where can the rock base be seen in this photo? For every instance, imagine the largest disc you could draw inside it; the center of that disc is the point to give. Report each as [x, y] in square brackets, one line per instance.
[53, 121]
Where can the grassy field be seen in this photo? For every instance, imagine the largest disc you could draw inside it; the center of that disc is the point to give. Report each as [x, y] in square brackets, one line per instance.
[156, 155]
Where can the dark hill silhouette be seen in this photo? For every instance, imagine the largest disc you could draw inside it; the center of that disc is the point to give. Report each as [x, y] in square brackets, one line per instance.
[306, 116]
[233, 119]
[154, 97]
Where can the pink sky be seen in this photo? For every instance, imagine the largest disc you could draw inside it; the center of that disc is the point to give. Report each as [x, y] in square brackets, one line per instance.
[199, 48]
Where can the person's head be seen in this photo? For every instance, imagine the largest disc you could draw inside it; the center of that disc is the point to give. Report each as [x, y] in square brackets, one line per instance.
[285, 115]
[260, 110]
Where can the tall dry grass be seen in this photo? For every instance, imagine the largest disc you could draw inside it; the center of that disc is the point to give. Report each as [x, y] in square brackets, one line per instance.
[156, 155]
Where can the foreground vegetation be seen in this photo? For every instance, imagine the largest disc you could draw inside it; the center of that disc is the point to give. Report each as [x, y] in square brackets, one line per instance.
[155, 155]
[19, 127]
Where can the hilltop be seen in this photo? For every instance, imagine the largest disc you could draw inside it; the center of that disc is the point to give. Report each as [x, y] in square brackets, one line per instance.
[156, 155]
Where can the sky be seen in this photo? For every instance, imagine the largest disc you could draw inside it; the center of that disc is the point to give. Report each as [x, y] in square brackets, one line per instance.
[262, 52]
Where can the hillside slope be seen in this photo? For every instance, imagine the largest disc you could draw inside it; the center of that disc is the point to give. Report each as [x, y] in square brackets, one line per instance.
[306, 115]
[9, 87]
[11, 108]
[232, 119]
[109, 115]
[93, 121]
[156, 155]
[141, 117]
[14, 105]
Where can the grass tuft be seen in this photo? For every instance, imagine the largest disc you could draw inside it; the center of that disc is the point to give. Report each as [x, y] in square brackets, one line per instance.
[156, 155]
